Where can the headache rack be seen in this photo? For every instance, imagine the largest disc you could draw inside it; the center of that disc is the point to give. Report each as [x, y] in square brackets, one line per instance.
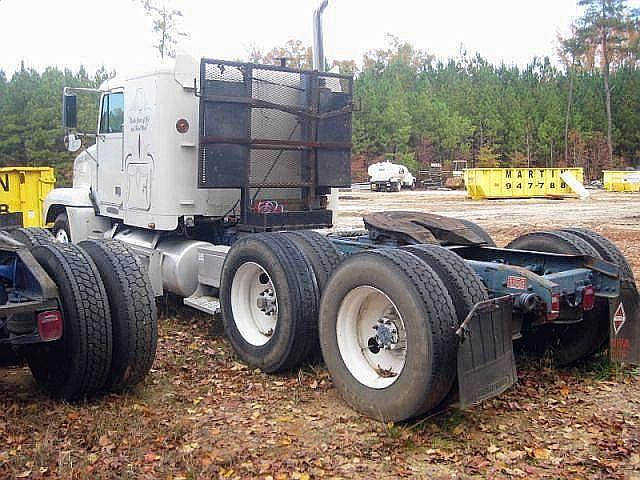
[281, 136]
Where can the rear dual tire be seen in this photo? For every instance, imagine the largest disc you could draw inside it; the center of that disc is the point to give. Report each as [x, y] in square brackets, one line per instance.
[269, 328]
[462, 282]
[78, 364]
[387, 332]
[479, 231]
[606, 249]
[134, 318]
[319, 251]
[8, 357]
[30, 237]
[269, 297]
[110, 320]
[270, 294]
[566, 344]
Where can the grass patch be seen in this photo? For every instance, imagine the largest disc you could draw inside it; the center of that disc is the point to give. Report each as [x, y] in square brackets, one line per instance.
[452, 421]
[603, 369]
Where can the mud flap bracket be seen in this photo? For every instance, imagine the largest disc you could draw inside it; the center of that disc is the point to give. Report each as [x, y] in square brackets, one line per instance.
[486, 363]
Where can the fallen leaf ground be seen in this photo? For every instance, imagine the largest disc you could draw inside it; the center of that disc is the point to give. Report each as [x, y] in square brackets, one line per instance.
[202, 414]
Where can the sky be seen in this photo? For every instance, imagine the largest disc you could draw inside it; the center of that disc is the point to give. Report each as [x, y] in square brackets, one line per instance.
[117, 34]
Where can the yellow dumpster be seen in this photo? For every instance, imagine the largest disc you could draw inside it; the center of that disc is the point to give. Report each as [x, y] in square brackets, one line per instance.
[621, 181]
[493, 183]
[22, 189]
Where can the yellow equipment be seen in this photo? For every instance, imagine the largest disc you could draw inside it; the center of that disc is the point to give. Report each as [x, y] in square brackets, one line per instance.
[621, 181]
[494, 183]
[22, 189]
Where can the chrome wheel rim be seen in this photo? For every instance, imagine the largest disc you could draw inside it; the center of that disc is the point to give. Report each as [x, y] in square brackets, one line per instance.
[61, 236]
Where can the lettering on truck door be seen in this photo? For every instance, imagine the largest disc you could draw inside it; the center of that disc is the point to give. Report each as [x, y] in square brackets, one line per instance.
[139, 161]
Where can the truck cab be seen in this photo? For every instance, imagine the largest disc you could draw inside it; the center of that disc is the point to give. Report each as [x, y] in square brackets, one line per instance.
[196, 153]
[141, 169]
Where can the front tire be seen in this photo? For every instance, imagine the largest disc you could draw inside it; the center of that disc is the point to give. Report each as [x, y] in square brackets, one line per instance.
[61, 229]
[387, 328]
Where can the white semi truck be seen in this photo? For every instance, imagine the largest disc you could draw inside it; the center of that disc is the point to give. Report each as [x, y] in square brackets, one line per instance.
[217, 175]
[390, 176]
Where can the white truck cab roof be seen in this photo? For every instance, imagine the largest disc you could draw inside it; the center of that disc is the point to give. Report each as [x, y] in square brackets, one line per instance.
[184, 67]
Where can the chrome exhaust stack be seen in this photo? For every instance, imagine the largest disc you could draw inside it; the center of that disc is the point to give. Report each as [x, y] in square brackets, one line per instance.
[318, 45]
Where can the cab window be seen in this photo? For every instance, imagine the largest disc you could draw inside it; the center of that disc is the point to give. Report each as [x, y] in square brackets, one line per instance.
[112, 113]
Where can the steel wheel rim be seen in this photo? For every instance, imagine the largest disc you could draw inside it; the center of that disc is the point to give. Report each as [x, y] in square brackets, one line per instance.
[254, 303]
[61, 236]
[362, 309]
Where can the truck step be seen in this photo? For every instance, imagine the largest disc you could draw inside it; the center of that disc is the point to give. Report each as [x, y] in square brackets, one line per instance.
[204, 303]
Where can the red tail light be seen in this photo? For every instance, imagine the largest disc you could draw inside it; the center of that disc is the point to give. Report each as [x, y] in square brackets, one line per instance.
[50, 325]
[555, 307]
[588, 298]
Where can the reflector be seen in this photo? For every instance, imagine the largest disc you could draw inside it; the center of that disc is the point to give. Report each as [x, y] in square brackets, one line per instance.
[50, 325]
[555, 308]
[182, 126]
[588, 298]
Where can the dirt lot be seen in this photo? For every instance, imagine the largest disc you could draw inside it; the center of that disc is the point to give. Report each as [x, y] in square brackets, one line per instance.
[201, 414]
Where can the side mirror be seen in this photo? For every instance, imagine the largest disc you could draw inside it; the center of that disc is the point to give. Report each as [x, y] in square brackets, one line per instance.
[72, 142]
[69, 112]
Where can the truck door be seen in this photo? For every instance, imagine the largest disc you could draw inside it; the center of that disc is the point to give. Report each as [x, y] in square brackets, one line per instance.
[110, 145]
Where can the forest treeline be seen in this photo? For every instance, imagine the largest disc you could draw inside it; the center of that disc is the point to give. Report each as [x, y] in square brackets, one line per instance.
[31, 115]
[493, 115]
[580, 109]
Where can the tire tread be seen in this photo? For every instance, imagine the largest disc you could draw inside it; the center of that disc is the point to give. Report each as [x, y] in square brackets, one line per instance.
[87, 314]
[442, 320]
[321, 253]
[608, 250]
[32, 236]
[428, 290]
[133, 311]
[464, 285]
[303, 343]
[478, 230]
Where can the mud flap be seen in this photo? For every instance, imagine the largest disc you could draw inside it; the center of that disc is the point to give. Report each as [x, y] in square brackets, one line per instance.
[486, 363]
[624, 325]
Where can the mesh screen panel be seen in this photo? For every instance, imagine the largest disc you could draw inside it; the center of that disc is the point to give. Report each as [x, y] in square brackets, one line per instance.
[271, 129]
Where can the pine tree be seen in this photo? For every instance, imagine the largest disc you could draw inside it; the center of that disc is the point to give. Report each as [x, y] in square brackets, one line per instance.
[604, 27]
